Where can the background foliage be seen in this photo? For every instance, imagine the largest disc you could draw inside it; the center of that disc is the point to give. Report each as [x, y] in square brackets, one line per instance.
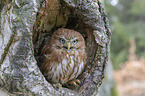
[127, 20]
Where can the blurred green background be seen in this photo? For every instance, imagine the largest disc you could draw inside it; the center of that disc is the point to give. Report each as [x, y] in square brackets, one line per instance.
[127, 23]
[127, 20]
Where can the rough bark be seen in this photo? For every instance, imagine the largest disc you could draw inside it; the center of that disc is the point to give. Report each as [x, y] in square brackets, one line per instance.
[26, 26]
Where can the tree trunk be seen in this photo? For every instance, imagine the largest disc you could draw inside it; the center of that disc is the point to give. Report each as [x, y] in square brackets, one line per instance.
[26, 26]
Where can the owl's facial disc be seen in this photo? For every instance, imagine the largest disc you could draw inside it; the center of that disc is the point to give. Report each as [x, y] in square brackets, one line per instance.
[68, 45]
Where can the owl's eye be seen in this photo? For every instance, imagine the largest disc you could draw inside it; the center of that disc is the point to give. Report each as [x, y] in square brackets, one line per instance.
[61, 40]
[75, 41]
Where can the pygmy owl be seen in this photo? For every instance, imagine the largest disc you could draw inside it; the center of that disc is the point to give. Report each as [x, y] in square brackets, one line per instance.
[64, 56]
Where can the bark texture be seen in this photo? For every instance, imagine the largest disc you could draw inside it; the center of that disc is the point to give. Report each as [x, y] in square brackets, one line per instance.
[26, 26]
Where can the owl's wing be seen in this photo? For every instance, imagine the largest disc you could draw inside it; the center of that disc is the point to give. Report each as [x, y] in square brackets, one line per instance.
[45, 50]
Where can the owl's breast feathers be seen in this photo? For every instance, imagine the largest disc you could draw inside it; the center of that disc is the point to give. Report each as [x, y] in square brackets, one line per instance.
[61, 68]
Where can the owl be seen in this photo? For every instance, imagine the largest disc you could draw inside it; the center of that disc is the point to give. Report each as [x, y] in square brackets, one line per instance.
[64, 57]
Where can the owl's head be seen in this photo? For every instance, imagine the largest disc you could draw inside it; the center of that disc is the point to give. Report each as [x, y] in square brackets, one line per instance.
[68, 40]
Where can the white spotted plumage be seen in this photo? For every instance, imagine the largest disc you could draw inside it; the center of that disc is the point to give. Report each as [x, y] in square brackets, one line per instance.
[61, 70]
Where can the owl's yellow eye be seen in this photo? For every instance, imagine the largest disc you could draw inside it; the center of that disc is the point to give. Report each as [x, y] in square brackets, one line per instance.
[75, 41]
[61, 40]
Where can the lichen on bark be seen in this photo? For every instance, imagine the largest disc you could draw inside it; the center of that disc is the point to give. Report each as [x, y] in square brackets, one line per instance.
[26, 26]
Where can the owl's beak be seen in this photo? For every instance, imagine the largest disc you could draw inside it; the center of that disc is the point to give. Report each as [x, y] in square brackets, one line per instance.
[68, 46]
